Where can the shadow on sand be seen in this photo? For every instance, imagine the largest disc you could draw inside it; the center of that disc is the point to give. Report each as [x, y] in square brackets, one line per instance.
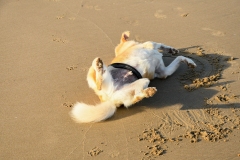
[171, 91]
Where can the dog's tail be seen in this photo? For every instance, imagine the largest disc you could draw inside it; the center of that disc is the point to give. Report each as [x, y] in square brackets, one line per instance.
[84, 113]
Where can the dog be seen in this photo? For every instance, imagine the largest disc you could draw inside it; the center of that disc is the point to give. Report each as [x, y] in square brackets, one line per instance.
[125, 81]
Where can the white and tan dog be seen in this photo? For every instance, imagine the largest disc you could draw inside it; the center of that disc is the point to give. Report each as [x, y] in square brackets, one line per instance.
[125, 81]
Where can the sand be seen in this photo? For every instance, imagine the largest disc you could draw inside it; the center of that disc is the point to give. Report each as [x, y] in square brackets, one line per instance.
[47, 46]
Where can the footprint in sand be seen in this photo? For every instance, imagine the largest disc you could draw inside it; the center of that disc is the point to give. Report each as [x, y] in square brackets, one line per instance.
[70, 18]
[67, 104]
[184, 14]
[60, 17]
[129, 21]
[59, 39]
[138, 38]
[95, 7]
[181, 12]
[54, 0]
[70, 68]
[66, 16]
[214, 32]
[158, 14]
[95, 151]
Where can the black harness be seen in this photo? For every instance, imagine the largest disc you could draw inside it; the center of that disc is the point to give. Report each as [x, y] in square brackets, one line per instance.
[128, 67]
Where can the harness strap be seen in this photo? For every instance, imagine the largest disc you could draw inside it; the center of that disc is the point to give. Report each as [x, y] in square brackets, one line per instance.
[128, 67]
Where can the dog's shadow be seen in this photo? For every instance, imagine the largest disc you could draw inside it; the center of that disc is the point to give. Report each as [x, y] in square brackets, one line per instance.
[171, 91]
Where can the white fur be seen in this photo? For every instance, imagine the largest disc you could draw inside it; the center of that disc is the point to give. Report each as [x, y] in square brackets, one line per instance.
[83, 113]
[146, 58]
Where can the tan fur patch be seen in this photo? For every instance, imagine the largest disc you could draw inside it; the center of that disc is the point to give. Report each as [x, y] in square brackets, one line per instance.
[137, 99]
[123, 39]
[92, 73]
[121, 57]
[149, 75]
[118, 49]
[99, 84]
[100, 97]
[132, 93]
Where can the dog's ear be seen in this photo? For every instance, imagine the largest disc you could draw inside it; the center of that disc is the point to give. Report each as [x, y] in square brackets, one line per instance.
[125, 36]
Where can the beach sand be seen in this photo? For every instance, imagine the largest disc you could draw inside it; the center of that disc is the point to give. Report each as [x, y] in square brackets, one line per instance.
[47, 46]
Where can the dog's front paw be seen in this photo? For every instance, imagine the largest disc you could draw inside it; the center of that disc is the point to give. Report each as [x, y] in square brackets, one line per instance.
[173, 51]
[150, 91]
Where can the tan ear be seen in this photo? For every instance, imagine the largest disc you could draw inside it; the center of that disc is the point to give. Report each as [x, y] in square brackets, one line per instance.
[125, 36]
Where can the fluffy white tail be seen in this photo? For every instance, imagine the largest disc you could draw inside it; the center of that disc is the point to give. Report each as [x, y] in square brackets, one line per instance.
[84, 113]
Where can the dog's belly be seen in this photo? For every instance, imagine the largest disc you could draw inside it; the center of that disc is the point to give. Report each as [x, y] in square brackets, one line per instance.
[121, 77]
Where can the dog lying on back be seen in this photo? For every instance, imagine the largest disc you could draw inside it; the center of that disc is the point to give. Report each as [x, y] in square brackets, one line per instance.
[125, 81]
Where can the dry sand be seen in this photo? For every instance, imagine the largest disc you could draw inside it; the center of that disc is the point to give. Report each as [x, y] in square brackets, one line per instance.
[46, 47]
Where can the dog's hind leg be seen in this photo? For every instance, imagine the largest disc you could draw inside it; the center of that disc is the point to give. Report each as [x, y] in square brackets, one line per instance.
[164, 72]
[145, 93]
[135, 92]
[160, 46]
